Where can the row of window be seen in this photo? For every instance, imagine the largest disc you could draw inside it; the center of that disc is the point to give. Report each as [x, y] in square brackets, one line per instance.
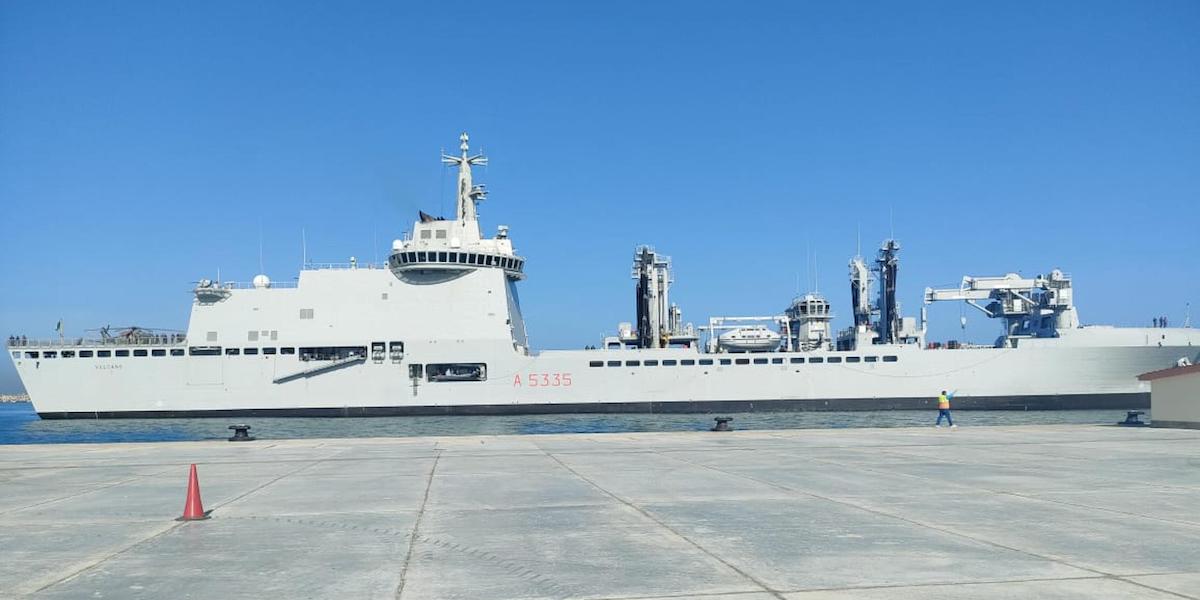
[121, 353]
[457, 258]
[795, 360]
[306, 353]
[100, 353]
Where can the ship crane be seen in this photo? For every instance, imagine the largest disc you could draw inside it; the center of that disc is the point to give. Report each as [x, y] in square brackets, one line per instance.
[1031, 307]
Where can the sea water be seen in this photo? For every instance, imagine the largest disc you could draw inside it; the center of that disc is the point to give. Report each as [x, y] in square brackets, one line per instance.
[19, 424]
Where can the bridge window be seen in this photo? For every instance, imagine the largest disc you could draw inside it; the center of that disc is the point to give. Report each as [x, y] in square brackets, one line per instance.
[140, 352]
[890, 359]
[421, 257]
[425, 234]
[158, 352]
[441, 256]
[410, 257]
[441, 234]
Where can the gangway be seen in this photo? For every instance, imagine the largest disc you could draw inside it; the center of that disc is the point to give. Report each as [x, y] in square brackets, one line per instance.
[323, 368]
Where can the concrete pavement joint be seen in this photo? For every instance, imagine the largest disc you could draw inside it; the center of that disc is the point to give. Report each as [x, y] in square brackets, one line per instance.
[159, 533]
[1030, 553]
[412, 544]
[82, 493]
[1030, 497]
[838, 523]
[881, 513]
[764, 587]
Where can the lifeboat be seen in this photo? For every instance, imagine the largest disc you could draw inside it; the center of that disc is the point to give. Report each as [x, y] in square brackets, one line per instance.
[749, 339]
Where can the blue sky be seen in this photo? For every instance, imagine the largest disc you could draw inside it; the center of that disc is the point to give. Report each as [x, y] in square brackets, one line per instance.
[145, 145]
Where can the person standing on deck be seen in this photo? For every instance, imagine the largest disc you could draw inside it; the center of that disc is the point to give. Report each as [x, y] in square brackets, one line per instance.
[944, 408]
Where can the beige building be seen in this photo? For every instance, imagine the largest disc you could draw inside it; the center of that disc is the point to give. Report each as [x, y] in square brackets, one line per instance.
[1174, 397]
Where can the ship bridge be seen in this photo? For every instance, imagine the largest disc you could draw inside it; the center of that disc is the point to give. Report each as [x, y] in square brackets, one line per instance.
[457, 245]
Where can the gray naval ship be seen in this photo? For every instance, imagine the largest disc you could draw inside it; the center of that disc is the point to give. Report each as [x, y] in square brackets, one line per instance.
[439, 330]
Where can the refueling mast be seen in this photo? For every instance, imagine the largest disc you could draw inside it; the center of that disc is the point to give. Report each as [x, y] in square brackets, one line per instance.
[659, 322]
[889, 327]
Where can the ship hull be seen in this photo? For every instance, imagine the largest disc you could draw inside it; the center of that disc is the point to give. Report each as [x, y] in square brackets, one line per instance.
[567, 382]
[1065, 402]
[376, 343]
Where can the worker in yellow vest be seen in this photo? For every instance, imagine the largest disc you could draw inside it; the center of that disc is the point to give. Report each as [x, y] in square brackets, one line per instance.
[944, 408]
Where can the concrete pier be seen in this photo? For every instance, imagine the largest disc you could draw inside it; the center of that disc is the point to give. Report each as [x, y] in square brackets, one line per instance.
[988, 512]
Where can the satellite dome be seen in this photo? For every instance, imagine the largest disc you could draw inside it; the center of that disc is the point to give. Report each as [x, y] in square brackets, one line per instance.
[397, 245]
[262, 281]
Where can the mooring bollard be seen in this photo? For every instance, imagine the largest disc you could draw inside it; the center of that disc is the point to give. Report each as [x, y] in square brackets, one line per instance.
[722, 424]
[1132, 420]
[241, 433]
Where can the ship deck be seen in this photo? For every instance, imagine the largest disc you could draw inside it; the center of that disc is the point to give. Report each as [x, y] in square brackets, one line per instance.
[985, 512]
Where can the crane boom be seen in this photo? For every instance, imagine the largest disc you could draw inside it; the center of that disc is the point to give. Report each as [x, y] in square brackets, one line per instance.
[1031, 307]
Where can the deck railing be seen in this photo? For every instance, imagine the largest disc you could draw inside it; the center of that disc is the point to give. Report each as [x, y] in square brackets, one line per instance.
[177, 339]
[312, 266]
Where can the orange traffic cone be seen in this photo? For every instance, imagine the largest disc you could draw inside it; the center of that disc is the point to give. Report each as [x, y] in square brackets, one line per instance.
[193, 509]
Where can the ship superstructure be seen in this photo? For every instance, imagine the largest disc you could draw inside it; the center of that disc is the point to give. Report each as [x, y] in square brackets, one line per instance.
[438, 329]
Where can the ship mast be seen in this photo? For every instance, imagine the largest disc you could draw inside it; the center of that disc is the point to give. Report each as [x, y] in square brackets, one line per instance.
[469, 194]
